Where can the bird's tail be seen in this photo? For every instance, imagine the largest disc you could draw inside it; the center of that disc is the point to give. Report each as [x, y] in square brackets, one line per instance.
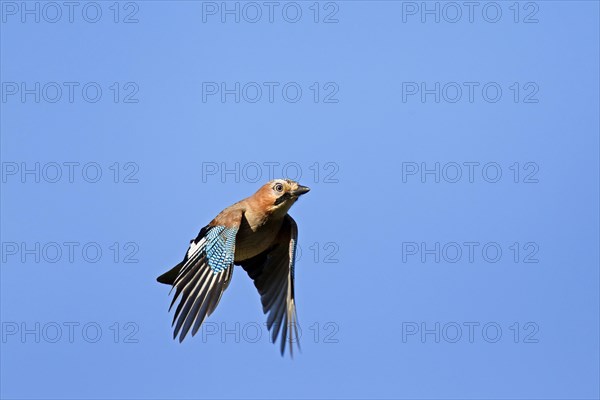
[168, 277]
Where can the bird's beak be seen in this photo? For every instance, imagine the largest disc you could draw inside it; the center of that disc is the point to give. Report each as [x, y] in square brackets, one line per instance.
[301, 190]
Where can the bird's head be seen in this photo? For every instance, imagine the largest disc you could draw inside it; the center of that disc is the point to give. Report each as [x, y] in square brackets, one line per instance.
[280, 194]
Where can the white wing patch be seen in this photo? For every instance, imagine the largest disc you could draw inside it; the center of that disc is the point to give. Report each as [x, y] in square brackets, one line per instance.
[194, 247]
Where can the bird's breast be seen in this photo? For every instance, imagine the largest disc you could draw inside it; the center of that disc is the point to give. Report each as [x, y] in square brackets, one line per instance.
[253, 240]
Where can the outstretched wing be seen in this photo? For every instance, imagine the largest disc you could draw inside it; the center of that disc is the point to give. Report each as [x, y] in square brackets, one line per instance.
[204, 276]
[273, 275]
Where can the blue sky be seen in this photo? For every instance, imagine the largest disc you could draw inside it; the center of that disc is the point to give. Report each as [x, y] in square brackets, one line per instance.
[449, 245]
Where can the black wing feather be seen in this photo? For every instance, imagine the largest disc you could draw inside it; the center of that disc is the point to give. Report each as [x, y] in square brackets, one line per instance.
[272, 273]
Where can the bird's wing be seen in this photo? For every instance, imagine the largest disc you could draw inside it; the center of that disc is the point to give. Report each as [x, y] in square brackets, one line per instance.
[273, 275]
[205, 275]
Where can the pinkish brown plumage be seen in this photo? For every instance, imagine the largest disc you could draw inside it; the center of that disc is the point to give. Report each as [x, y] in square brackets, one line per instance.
[256, 233]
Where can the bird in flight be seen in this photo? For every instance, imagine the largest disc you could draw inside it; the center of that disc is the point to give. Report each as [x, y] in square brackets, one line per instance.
[256, 233]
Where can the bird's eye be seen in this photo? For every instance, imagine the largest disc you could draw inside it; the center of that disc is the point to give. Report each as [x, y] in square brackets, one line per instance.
[278, 187]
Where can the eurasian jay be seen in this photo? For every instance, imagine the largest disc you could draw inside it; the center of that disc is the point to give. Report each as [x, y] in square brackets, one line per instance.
[256, 233]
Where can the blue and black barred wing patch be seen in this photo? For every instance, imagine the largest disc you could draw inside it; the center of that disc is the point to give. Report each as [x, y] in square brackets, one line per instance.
[203, 278]
[220, 247]
[273, 275]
